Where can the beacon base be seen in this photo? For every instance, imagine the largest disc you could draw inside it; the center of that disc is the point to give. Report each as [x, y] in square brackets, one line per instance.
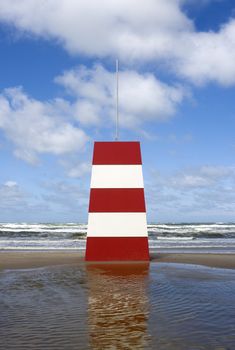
[117, 249]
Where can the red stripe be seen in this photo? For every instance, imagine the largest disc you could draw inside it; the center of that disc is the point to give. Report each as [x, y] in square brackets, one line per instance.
[117, 249]
[117, 200]
[116, 152]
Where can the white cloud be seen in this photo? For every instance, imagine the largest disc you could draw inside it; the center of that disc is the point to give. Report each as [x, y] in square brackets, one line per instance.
[75, 168]
[36, 127]
[10, 183]
[11, 196]
[216, 172]
[54, 201]
[142, 97]
[87, 112]
[211, 56]
[192, 194]
[134, 31]
[72, 197]
[127, 28]
[202, 177]
[80, 170]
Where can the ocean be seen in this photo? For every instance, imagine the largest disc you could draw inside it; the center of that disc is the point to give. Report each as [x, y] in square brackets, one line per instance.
[190, 237]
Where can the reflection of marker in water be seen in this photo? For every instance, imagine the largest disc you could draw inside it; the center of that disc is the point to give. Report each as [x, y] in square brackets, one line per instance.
[117, 228]
[117, 305]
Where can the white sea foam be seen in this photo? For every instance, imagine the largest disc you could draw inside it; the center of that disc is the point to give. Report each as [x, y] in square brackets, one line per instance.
[175, 238]
[41, 248]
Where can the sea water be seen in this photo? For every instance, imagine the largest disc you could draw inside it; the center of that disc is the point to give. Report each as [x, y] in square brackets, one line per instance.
[111, 306]
[194, 237]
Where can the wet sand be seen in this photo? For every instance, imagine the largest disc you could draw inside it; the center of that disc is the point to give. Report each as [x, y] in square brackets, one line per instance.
[33, 259]
[226, 261]
[69, 304]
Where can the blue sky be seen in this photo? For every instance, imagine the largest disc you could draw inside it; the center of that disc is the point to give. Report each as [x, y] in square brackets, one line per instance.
[57, 89]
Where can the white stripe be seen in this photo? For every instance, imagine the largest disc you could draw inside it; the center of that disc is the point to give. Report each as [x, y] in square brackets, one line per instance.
[117, 176]
[117, 225]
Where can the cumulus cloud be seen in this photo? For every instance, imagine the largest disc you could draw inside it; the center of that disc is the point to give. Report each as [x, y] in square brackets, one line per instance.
[127, 28]
[211, 56]
[134, 31]
[142, 97]
[36, 127]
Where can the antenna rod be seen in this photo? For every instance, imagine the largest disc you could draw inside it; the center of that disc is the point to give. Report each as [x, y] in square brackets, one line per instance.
[117, 106]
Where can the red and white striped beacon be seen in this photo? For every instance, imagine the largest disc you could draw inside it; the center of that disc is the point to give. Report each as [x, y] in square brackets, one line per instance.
[117, 227]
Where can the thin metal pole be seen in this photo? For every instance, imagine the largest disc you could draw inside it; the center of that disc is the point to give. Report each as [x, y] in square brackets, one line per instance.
[117, 102]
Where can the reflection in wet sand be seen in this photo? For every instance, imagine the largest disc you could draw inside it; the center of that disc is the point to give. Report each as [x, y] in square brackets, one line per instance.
[118, 305]
[80, 307]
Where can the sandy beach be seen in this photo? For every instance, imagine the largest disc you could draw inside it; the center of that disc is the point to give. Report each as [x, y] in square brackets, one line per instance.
[30, 259]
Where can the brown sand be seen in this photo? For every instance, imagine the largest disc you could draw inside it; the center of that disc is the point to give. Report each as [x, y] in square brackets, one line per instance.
[32, 259]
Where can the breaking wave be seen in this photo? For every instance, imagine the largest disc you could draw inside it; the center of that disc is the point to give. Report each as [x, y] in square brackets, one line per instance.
[161, 236]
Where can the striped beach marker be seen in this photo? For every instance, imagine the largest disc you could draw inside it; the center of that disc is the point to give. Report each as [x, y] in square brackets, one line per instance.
[117, 227]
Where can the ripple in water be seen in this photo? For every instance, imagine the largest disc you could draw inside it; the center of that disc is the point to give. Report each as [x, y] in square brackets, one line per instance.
[118, 306]
[192, 307]
[43, 309]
